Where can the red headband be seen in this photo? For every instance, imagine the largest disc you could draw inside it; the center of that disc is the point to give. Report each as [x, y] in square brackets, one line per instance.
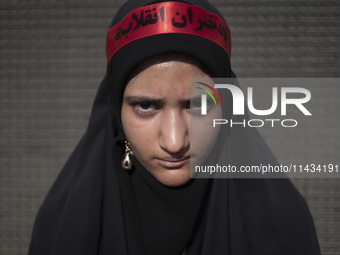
[167, 17]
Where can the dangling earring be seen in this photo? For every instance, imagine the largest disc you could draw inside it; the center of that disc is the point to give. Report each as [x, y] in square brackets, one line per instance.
[127, 162]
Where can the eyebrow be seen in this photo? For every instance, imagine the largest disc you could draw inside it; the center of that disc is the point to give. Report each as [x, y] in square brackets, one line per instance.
[195, 98]
[132, 99]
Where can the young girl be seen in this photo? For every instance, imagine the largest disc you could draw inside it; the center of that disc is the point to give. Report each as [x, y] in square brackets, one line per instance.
[126, 189]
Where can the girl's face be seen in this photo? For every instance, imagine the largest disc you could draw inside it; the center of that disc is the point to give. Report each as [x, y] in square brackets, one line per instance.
[156, 120]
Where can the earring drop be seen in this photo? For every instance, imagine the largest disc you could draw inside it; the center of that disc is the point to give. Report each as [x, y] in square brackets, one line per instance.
[127, 162]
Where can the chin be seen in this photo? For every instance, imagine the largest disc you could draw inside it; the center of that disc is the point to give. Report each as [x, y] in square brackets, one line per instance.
[173, 178]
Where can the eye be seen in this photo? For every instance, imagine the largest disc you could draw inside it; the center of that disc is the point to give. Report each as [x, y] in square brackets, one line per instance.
[145, 107]
[195, 104]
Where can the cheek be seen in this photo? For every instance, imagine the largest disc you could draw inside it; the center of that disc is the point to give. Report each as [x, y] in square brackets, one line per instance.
[203, 135]
[141, 133]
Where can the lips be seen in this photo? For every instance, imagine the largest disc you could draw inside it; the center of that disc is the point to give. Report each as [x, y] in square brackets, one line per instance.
[173, 163]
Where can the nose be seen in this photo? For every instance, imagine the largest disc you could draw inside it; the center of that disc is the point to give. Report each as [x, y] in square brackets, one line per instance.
[174, 132]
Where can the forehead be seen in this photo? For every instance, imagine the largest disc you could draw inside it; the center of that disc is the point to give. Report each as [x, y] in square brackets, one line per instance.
[165, 59]
[168, 77]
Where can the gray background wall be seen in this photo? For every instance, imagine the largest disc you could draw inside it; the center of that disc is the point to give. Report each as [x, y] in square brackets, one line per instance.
[52, 59]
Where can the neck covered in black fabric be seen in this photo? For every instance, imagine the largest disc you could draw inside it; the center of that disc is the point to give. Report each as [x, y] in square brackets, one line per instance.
[163, 216]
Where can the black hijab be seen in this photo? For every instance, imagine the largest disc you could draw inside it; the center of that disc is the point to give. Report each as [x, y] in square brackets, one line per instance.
[96, 207]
